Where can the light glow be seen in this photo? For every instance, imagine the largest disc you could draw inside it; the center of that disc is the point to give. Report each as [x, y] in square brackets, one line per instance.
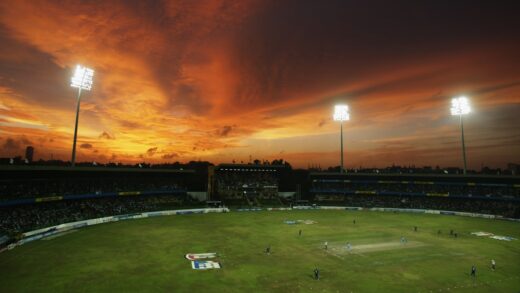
[460, 106]
[341, 113]
[82, 78]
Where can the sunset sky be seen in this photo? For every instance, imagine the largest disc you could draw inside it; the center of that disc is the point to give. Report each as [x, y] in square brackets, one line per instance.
[225, 80]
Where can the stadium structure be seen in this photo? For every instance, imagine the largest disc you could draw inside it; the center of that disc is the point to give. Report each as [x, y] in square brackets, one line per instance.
[262, 228]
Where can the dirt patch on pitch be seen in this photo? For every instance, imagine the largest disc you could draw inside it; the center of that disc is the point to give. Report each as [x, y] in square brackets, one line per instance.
[385, 246]
[343, 250]
[295, 222]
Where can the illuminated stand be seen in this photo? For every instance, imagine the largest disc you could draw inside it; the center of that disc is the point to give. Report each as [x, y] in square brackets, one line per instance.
[341, 114]
[82, 80]
[460, 106]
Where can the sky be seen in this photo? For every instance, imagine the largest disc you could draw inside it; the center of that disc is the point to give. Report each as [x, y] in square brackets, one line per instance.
[227, 81]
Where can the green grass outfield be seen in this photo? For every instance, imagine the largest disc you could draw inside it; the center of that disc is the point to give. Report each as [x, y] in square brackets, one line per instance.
[147, 255]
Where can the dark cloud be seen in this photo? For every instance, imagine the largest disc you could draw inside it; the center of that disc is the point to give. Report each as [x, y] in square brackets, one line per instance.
[166, 68]
[497, 121]
[224, 131]
[170, 156]
[33, 74]
[129, 124]
[151, 151]
[106, 135]
[13, 145]
[494, 88]
[292, 48]
[322, 122]
[188, 95]
[86, 146]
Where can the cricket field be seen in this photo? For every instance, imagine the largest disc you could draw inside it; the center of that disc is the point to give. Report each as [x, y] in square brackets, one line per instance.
[148, 255]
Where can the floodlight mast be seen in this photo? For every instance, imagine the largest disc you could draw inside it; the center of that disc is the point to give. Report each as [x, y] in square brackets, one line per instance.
[82, 80]
[341, 113]
[460, 106]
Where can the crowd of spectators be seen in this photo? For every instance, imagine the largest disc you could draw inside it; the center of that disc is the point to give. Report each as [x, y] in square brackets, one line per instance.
[253, 185]
[57, 190]
[21, 218]
[490, 198]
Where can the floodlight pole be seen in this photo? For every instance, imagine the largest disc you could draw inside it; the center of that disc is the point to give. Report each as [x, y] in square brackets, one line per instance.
[463, 145]
[76, 129]
[341, 143]
[341, 114]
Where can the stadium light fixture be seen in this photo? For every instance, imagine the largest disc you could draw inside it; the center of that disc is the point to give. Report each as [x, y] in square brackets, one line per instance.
[460, 106]
[341, 113]
[82, 80]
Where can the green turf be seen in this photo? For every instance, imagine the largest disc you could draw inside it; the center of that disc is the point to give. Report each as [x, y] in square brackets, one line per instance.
[147, 255]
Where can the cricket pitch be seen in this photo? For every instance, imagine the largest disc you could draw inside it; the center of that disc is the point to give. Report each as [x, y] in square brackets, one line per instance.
[340, 249]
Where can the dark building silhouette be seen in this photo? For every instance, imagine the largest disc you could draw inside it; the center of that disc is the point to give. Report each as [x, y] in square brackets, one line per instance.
[29, 153]
[514, 168]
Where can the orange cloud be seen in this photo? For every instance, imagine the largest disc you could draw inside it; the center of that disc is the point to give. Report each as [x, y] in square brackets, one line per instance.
[223, 80]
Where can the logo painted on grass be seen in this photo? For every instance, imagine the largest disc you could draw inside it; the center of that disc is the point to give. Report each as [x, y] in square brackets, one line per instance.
[204, 265]
[195, 256]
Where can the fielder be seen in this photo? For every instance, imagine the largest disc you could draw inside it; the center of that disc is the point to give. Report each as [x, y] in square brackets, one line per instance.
[473, 271]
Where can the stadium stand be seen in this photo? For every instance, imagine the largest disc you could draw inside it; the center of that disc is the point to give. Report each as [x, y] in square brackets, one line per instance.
[498, 195]
[36, 197]
[46, 182]
[39, 196]
[248, 185]
[21, 218]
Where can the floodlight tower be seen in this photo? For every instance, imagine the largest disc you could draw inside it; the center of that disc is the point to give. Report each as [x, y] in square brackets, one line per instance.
[460, 106]
[341, 114]
[82, 80]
